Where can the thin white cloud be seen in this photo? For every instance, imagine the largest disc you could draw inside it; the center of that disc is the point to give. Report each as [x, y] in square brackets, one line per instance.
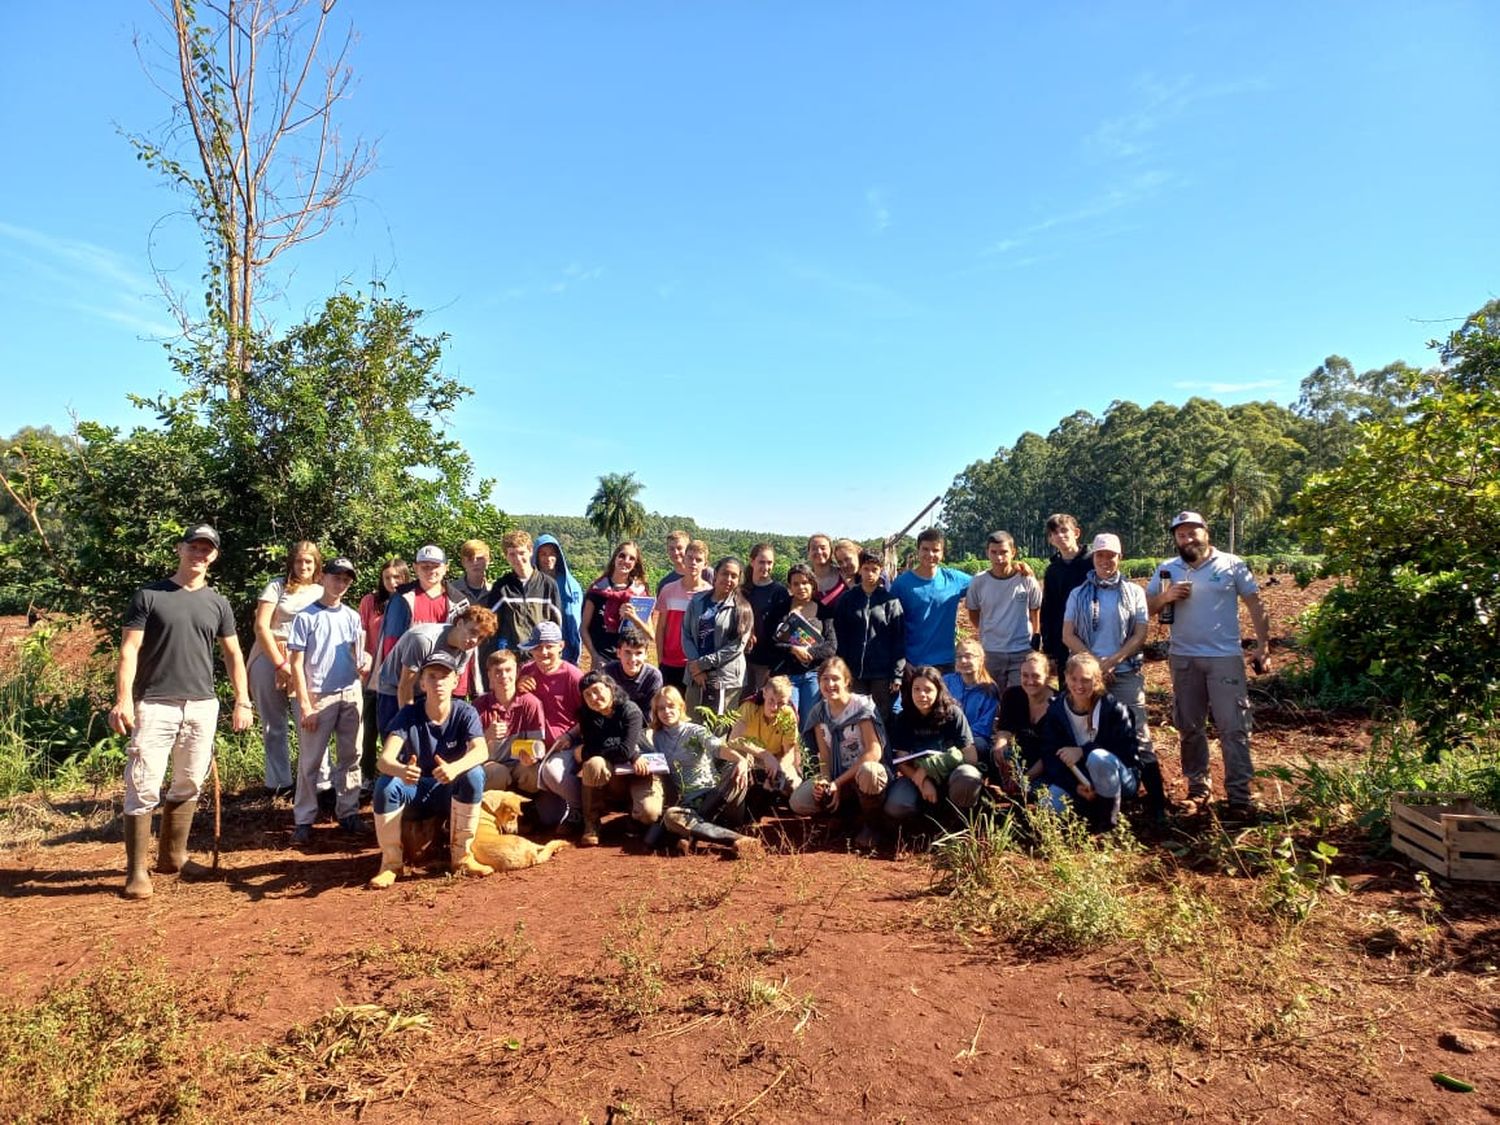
[568, 277]
[868, 297]
[880, 212]
[1133, 189]
[86, 278]
[1228, 388]
[1131, 146]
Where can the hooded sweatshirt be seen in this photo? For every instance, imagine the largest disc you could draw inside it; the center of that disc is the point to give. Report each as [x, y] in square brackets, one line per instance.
[572, 598]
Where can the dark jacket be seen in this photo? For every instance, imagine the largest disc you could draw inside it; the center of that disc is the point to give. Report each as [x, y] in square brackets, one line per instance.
[785, 664]
[871, 633]
[1063, 576]
[769, 603]
[1116, 734]
[615, 737]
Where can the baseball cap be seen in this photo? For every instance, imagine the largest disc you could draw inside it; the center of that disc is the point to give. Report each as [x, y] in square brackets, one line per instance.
[441, 658]
[1187, 517]
[200, 531]
[1104, 541]
[431, 554]
[546, 633]
[340, 565]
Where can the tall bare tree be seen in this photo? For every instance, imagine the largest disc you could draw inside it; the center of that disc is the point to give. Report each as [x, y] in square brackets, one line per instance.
[254, 143]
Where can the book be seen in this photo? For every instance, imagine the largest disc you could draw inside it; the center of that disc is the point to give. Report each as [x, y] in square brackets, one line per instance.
[657, 763]
[798, 630]
[912, 757]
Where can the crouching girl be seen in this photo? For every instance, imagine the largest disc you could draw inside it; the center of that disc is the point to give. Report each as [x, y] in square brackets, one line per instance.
[432, 763]
[710, 778]
[932, 735]
[1089, 746]
[850, 737]
[606, 748]
[767, 731]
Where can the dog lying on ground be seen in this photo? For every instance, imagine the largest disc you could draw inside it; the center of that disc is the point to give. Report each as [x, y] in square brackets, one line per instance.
[496, 842]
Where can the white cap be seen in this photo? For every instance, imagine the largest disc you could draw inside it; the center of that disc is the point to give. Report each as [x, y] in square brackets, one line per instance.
[1105, 541]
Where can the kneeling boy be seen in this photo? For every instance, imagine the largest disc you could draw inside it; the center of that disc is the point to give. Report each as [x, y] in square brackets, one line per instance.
[432, 762]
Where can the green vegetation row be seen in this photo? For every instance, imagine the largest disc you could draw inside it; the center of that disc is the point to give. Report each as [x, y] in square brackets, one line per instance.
[1130, 470]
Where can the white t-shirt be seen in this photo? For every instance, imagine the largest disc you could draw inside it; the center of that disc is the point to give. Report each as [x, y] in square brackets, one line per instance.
[1004, 606]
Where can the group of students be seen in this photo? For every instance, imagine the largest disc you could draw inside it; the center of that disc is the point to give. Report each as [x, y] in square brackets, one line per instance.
[841, 691]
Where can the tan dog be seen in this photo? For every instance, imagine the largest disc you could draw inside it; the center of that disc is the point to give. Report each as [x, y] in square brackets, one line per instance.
[496, 842]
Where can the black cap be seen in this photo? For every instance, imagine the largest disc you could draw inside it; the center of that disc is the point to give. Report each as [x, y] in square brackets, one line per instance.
[340, 565]
[200, 531]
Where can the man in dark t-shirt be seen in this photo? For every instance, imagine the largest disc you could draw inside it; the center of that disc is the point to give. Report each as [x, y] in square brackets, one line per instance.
[165, 702]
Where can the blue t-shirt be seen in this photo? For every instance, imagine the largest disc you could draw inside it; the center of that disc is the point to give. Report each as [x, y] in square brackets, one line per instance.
[1207, 623]
[930, 607]
[430, 741]
[327, 637]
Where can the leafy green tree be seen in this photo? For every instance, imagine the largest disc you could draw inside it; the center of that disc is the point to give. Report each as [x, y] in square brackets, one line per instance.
[614, 511]
[1412, 516]
[339, 437]
[1233, 485]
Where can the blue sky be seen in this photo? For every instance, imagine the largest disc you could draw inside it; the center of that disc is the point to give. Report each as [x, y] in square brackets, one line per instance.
[796, 264]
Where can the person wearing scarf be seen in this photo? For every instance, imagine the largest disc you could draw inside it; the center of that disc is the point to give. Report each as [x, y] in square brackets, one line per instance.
[1106, 617]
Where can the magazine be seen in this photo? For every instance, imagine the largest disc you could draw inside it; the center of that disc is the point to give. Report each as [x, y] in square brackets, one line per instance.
[656, 763]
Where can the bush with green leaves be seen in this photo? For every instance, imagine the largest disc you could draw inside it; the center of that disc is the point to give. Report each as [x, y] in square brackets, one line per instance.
[340, 437]
[1412, 518]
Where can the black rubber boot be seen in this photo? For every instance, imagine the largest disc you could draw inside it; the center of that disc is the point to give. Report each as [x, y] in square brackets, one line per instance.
[1156, 791]
[711, 833]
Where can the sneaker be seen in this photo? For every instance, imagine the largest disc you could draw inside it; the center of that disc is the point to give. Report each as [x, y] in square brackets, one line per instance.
[302, 835]
[866, 840]
[354, 826]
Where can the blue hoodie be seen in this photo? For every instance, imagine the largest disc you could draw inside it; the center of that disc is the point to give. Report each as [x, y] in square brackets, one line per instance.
[572, 598]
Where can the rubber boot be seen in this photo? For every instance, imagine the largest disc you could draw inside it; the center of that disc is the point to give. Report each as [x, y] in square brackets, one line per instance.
[871, 813]
[592, 798]
[711, 833]
[388, 834]
[172, 847]
[463, 822]
[1156, 791]
[137, 853]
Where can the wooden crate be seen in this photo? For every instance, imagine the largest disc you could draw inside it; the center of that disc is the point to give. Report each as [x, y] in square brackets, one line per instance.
[1448, 833]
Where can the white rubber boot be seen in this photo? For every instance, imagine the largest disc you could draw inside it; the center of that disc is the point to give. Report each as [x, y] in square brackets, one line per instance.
[388, 834]
[463, 822]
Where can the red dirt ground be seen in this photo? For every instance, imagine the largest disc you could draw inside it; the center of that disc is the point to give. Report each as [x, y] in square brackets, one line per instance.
[869, 1005]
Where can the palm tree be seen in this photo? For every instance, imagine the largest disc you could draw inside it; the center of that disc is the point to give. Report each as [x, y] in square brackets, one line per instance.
[614, 510]
[1234, 485]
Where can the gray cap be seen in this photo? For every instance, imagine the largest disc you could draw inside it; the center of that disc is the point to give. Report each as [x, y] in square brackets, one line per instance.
[546, 633]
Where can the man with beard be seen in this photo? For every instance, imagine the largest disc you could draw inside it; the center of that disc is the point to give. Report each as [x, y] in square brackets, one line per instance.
[1205, 586]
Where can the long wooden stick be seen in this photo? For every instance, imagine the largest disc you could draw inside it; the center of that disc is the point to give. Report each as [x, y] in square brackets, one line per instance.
[213, 769]
[891, 540]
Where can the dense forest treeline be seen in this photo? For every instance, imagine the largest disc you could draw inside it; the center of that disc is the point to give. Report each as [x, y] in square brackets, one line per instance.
[587, 550]
[1130, 469]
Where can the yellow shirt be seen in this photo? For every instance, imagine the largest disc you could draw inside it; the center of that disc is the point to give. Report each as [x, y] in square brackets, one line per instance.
[763, 732]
